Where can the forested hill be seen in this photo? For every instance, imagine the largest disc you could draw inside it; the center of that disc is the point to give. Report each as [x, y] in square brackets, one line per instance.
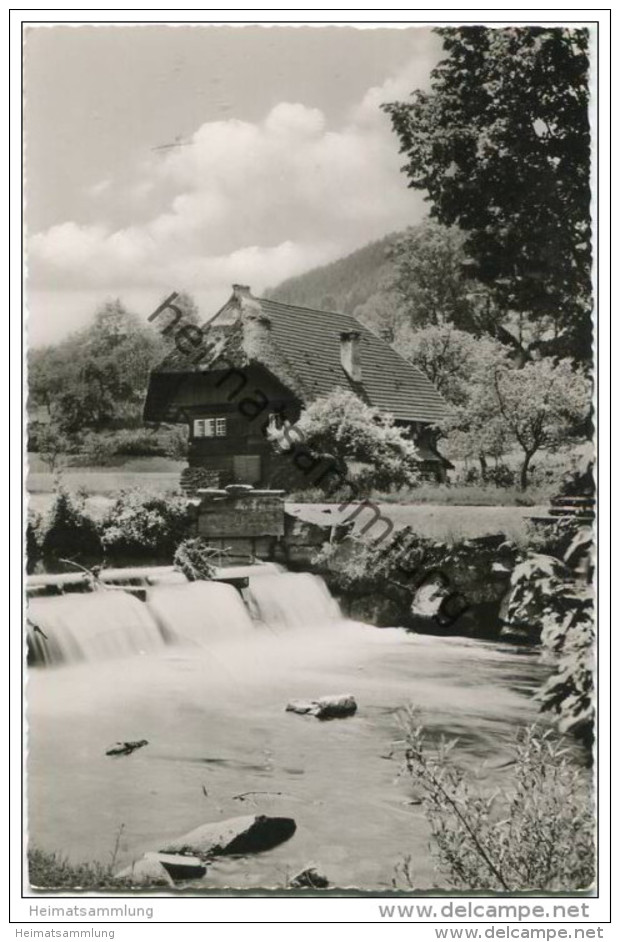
[343, 285]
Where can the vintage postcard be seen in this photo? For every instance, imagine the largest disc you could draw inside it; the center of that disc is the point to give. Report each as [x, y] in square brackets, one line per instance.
[311, 496]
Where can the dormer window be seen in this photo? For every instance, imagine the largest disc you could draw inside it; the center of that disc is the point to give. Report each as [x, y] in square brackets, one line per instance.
[211, 428]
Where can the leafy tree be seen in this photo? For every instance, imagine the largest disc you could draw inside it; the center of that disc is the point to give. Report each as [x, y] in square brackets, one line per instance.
[188, 307]
[453, 359]
[496, 404]
[501, 145]
[342, 428]
[461, 367]
[382, 312]
[539, 405]
[69, 532]
[52, 444]
[97, 377]
[428, 276]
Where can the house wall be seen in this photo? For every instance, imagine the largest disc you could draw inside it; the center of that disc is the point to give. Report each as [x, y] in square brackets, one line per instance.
[245, 398]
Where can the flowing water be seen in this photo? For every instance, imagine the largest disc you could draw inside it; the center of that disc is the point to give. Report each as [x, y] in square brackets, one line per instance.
[205, 680]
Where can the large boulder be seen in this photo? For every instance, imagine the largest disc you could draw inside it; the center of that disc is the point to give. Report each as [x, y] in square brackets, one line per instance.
[146, 872]
[310, 878]
[248, 834]
[179, 866]
[325, 708]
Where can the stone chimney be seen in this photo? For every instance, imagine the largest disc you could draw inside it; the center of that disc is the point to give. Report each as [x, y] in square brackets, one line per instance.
[350, 354]
[257, 341]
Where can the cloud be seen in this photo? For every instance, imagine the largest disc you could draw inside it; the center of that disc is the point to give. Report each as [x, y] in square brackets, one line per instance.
[246, 202]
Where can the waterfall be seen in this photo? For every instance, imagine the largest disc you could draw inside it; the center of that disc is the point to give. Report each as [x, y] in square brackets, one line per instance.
[111, 623]
[200, 612]
[94, 626]
[291, 600]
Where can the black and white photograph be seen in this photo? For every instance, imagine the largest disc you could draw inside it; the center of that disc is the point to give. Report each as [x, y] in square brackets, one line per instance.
[310, 424]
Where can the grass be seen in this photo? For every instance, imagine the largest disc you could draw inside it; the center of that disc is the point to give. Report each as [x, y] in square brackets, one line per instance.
[117, 464]
[461, 495]
[105, 481]
[447, 524]
[470, 495]
[53, 871]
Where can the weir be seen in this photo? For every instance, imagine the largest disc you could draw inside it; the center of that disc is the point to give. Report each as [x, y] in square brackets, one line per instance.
[95, 626]
[200, 613]
[291, 600]
[109, 623]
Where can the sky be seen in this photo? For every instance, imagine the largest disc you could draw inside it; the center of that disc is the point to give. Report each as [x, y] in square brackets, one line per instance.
[283, 159]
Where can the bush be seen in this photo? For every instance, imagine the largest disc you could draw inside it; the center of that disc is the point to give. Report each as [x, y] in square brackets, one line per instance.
[536, 834]
[68, 531]
[142, 523]
[33, 540]
[501, 475]
[553, 538]
[339, 431]
[555, 599]
[100, 448]
[195, 558]
[96, 450]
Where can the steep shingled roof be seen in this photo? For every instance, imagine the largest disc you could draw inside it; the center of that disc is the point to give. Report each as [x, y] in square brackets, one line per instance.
[301, 347]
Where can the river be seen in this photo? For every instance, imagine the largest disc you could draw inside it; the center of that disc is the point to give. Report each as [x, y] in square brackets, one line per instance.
[209, 693]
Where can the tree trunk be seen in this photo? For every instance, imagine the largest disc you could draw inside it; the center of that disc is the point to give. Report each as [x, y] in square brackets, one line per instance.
[524, 469]
[483, 466]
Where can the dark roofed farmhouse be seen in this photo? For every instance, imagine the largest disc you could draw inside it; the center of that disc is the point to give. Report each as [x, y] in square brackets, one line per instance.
[260, 361]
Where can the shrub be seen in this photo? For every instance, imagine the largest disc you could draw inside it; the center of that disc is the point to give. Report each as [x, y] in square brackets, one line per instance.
[501, 475]
[536, 834]
[555, 598]
[68, 531]
[33, 540]
[341, 431]
[99, 448]
[164, 443]
[569, 637]
[195, 558]
[143, 523]
[579, 480]
[553, 538]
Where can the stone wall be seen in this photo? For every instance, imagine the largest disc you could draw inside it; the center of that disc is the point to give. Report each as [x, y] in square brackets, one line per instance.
[241, 521]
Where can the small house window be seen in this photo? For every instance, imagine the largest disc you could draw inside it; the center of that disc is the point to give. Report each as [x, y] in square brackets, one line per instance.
[210, 428]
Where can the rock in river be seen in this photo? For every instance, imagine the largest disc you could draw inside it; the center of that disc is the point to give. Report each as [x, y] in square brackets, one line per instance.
[179, 866]
[325, 708]
[146, 872]
[126, 748]
[309, 878]
[244, 835]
